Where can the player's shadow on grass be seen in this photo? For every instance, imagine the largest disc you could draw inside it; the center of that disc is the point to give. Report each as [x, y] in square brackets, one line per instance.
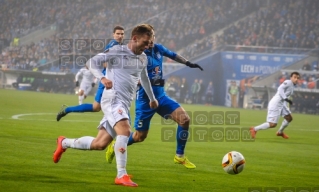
[39, 178]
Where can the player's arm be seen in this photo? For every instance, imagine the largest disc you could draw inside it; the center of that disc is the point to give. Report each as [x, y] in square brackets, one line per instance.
[178, 58]
[93, 65]
[181, 59]
[78, 74]
[281, 91]
[95, 80]
[146, 84]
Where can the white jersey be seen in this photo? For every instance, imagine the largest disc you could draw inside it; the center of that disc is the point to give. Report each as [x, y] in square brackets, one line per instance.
[124, 70]
[87, 76]
[284, 91]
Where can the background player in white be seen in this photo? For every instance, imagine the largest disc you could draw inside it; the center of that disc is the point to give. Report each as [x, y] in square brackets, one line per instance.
[278, 107]
[126, 65]
[87, 82]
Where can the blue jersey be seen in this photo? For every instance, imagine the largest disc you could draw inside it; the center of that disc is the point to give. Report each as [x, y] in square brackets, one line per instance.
[155, 69]
[111, 44]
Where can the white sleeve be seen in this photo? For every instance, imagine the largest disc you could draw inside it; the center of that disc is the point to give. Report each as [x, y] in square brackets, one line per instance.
[95, 62]
[282, 88]
[79, 73]
[146, 84]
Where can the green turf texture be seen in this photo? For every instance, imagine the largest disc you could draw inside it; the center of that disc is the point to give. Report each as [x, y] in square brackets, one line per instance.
[27, 144]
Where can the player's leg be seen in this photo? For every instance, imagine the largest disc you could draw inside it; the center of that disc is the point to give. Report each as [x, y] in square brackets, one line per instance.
[83, 91]
[116, 114]
[143, 116]
[87, 90]
[271, 122]
[122, 129]
[81, 96]
[86, 107]
[171, 109]
[100, 142]
[287, 119]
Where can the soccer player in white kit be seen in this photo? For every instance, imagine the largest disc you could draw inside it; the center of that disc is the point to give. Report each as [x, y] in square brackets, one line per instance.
[87, 82]
[278, 107]
[126, 65]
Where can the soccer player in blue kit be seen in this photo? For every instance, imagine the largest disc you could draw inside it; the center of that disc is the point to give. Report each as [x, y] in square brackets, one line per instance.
[168, 108]
[118, 35]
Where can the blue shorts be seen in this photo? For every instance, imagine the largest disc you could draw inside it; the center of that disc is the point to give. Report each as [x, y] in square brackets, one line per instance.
[98, 94]
[144, 114]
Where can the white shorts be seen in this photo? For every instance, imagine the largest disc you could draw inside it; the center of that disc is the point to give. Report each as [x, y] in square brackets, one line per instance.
[274, 113]
[114, 110]
[105, 124]
[86, 87]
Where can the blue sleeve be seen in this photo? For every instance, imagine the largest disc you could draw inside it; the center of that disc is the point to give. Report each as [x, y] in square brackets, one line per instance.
[111, 44]
[166, 52]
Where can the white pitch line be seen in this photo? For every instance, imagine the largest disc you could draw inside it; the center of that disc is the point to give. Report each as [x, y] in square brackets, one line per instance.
[29, 114]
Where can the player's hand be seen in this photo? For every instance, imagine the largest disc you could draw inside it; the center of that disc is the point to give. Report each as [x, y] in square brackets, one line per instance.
[154, 104]
[289, 101]
[193, 65]
[76, 83]
[107, 83]
[93, 84]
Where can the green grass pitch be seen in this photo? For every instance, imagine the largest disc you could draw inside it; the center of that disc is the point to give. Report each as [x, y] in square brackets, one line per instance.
[28, 132]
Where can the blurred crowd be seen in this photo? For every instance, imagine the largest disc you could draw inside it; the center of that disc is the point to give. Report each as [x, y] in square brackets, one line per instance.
[306, 103]
[197, 92]
[282, 24]
[183, 25]
[309, 76]
[177, 24]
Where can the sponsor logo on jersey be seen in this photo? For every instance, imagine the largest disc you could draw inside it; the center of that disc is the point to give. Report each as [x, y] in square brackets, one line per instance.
[156, 70]
[158, 55]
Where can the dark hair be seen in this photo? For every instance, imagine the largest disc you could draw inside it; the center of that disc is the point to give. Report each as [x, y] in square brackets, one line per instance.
[294, 73]
[151, 26]
[118, 28]
[143, 29]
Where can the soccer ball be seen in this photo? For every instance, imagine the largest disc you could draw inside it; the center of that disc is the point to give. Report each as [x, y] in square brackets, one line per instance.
[233, 162]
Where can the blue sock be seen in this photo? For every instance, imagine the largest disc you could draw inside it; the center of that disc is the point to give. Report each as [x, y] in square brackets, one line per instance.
[80, 108]
[181, 138]
[130, 139]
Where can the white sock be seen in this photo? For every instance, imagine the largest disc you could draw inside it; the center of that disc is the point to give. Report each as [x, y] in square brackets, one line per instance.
[262, 126]
[120, 149]
[81, 98]
[79, 143]
[284, 124]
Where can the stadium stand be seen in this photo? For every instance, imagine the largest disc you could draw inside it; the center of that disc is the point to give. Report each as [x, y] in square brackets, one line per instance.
[177, 23]
[285, 27]
[282, 24]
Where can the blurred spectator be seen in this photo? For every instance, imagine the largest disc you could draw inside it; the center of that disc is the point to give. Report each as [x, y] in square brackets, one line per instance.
[233, 91]
[311, 83]
[183, 90]
[201, 92]
[171, 87]
[194, 90]
[306, 66]
[209, 93]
